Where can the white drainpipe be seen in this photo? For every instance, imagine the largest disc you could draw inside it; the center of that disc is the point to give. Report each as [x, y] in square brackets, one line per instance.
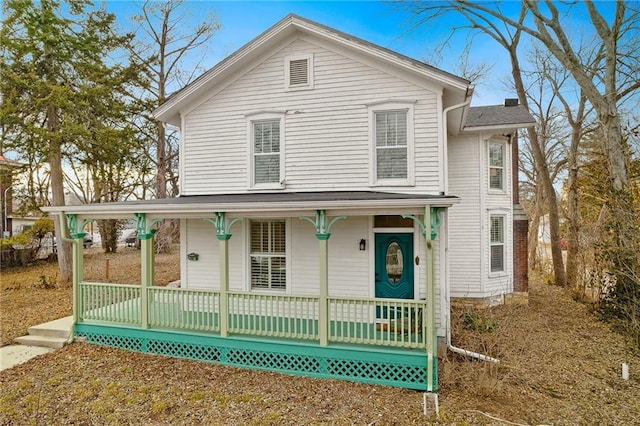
[452, 348]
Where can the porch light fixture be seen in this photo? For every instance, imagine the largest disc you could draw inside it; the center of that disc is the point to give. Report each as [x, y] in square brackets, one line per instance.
[363, 244]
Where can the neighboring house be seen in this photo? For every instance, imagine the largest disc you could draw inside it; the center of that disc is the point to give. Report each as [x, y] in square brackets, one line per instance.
[334, 196]
[7, 168]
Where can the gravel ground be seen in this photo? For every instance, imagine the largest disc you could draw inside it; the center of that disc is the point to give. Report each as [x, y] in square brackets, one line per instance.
[558, 366]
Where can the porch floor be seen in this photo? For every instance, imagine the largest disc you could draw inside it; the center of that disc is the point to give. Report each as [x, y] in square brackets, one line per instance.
[382, 333]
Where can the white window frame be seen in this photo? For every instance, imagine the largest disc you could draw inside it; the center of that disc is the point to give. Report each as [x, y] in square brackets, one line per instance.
[288, 266]
[391, 106]
[251, 120]
[310, 72]
[502, 168]
[502, 244]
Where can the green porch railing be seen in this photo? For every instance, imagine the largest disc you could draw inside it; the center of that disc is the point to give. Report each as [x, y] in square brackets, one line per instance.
[363, 321]
[116, 303]
[386, 322]
[288, 316]
[184, 309]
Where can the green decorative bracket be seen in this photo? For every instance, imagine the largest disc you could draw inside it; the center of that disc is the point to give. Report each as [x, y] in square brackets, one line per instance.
[436, 221]
[145, 231]
[323, 229]
[223, 230]
[75, 229]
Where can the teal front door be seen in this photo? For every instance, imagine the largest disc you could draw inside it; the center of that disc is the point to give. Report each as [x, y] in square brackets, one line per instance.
[394, 266]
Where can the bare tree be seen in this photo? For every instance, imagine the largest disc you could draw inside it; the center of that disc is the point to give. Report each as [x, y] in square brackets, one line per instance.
[509, 38]
[613, 78]
[166, 37]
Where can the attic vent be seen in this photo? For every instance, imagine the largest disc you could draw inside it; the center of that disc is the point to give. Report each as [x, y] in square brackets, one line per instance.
[299, 72]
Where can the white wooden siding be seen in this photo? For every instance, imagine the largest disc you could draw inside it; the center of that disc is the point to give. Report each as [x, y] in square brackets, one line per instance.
[349, 267]
[326, 129]
[497, 284]
[199, 237]
[469, 220]
[465, 218]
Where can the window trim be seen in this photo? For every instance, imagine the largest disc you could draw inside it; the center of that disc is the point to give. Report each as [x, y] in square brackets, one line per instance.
[503, 244]
[251, 175]
[288, 266]
[390, 106]
[288, 87]
[502, 168]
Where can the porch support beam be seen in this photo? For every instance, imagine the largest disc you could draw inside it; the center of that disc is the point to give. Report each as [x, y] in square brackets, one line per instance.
[76, 231]
[145, 234]
[431, 306]
[223, 234]
[323, 232]
[432, 221]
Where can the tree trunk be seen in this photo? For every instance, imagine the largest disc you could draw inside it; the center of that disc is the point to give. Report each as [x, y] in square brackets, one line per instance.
[534, 227]
[573, 211]
[109, 234]
[57, 191]
[161, 176]
[543, 172]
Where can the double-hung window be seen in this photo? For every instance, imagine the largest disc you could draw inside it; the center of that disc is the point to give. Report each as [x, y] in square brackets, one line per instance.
[496, 166]
[266, 150]
[268, 254]
[391, 144]
[496, 244]
[392, 134]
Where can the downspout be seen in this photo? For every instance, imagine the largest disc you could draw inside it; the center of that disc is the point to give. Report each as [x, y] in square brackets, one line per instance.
[452, 348]
[63, 237]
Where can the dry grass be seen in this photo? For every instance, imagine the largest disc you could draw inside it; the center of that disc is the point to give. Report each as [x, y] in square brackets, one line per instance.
[558, 366]
[32, 295]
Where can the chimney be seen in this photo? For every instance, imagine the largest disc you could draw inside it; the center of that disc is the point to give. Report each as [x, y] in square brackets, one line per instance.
[509, 102]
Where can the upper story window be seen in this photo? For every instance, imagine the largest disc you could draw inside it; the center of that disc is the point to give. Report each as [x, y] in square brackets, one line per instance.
[392, 142]
[266, 137]
[496, 166]
[497, 243]
[299, 72]
[268, 254]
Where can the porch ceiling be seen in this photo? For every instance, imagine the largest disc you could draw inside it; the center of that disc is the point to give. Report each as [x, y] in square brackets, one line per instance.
[337, 202]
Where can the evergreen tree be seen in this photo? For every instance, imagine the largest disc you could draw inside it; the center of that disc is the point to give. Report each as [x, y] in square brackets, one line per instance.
[62, 86]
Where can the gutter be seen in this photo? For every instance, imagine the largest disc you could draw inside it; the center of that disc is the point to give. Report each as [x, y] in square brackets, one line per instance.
[452, 348]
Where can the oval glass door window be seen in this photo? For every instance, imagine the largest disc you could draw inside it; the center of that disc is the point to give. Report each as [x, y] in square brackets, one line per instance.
[394, 262]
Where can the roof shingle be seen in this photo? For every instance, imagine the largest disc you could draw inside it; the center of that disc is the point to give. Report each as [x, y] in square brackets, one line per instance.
[498, 115]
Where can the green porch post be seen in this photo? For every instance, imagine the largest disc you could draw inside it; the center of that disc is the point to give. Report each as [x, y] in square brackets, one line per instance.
[77, 234]
[322, 234]
[223, 235]
[431, 306]
[429, 229]
[145, 234]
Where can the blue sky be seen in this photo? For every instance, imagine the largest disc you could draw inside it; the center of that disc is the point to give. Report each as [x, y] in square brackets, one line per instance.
[381, 22]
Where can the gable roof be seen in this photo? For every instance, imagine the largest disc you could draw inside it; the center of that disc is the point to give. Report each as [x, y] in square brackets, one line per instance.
[498, 117]
[169, 111]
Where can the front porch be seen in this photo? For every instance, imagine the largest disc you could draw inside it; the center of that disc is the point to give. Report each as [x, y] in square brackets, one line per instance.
[389, 340]
[276, 333]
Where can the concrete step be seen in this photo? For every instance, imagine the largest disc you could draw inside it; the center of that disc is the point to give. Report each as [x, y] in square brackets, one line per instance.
[44, 341]
[58, 328]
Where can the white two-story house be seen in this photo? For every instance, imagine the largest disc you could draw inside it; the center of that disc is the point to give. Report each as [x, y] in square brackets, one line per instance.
[334, 197]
